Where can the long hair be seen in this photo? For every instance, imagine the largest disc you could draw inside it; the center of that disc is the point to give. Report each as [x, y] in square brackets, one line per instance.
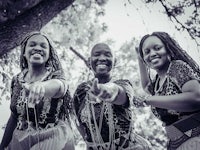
[173, 49]
[53, 60]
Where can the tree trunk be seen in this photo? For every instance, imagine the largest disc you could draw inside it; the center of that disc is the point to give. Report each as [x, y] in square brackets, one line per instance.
[12, 31]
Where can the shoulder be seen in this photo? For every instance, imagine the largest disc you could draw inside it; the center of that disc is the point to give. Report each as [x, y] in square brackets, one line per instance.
[127, 86]
[58, 74]
[181, 72]
[82, 88]
[179, 63]
[15, 79]
[123, 82]
[179, 67]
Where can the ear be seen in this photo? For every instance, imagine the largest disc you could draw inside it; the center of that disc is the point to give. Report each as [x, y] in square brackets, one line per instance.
[88, 63]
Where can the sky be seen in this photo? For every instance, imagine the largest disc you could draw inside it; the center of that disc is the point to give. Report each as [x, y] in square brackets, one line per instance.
[137, 19]
[125, 22]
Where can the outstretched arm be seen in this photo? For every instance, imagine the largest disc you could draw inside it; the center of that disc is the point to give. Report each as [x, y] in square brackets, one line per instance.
[10, 127]
[53, 88]
[109, 92]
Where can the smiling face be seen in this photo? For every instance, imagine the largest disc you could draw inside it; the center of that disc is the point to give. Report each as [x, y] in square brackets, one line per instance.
[154, 53]
[37, 50]
[101, 59]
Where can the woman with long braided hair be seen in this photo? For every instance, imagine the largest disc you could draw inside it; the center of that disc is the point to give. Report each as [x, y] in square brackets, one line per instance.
[38, 100]
[175, 89]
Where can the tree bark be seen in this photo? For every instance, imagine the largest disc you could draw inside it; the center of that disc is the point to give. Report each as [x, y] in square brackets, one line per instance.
[12, 31]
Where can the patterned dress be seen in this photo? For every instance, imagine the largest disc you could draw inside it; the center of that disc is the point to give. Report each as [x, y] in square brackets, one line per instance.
[178, 74]
[106, 126]
[43, 127]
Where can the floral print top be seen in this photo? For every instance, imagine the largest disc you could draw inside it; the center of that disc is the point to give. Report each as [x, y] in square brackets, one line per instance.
[177, 75]
[47, 112]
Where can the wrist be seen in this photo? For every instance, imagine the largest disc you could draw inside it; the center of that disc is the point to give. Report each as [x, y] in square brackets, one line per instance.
[112, 91]
[147, 101]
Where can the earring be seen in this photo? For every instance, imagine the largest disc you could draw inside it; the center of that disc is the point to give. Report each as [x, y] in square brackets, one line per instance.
[169, 58]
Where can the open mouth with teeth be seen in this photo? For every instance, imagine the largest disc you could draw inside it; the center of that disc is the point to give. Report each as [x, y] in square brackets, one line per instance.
[37, 54]
[35, 51]
[154, 60]
[101, 66]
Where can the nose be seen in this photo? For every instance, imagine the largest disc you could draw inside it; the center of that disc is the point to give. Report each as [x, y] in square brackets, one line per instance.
[38, 47]
[37, 50]
[152, 53]
[102, 57]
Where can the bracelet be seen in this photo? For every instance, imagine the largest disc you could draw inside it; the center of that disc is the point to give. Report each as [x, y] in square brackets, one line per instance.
[138, 102]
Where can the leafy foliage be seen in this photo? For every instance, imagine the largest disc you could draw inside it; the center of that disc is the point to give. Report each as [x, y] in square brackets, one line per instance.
[184, 14]
[78, 27]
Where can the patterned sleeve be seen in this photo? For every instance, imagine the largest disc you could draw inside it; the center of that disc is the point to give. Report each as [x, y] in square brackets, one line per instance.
[182, 72]
[79, 95]
[127, 86]
[67, 104]
[15, 90]
[58, 75]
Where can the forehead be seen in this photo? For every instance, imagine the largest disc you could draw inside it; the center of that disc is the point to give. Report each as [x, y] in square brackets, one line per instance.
[38, 38]
[101, 48]
[151, 41]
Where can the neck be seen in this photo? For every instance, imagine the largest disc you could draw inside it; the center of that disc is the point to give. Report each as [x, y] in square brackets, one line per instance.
[36, 71]
[163, 71]
[103, 78]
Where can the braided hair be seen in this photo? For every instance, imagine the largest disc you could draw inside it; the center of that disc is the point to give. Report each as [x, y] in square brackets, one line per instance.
[173, 48]
[53, 60]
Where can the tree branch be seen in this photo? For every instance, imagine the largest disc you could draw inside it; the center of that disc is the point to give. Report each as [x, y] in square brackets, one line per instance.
[169, 14]
[80, 56]
[33, 19]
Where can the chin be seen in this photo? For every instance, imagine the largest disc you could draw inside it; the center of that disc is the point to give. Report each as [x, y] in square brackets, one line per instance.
[102, 73]
[38, 63]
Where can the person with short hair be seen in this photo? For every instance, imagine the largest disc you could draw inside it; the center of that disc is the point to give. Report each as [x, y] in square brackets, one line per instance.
[102, 106]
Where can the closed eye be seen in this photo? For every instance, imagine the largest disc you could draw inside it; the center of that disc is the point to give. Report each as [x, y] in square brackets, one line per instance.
[32, 44]
[146, 51]
[96, 54]
[43, 45]
[157, 47]
[108, 54]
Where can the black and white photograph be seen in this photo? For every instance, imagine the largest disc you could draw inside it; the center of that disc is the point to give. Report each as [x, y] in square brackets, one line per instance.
[99, 75]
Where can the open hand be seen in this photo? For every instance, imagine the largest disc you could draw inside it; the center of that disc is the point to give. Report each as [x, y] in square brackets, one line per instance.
[36, 91]
[104, 92]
